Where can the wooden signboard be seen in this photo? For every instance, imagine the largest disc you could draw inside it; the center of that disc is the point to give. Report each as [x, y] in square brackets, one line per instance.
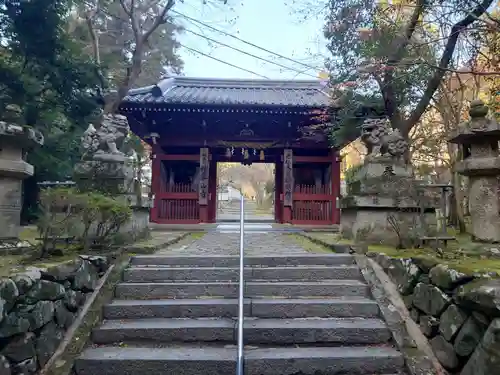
[204, 174]
[288, 178]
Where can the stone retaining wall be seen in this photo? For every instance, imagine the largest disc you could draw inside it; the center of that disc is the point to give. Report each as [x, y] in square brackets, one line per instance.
[38, 306]
[459, 314]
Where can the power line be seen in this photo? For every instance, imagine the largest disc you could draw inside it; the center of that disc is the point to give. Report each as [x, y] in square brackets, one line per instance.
[221, 61]
[244, 41]
[249, 54]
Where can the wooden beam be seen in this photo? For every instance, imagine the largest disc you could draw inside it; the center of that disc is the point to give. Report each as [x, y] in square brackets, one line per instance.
[178, 196]
[313, 197]
[312, 159]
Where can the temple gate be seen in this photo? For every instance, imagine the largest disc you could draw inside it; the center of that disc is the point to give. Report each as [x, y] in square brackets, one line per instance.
[192, 124]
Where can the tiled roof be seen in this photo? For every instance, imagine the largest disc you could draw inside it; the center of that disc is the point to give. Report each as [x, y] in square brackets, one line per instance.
[207, 91]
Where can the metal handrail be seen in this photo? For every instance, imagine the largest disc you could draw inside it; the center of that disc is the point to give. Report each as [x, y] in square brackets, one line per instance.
[240, 359]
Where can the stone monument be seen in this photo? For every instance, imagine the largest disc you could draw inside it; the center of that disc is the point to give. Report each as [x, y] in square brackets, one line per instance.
[105, 167]
[15, 141]
[478, 139]
[383, 203]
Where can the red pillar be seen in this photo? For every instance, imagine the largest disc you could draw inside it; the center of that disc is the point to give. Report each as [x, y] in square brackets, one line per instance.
[212, 192]
[335, 176]
[278, 190]
[155, 187]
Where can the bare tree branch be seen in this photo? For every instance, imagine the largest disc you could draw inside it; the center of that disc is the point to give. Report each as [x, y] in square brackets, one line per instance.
[438, 75]
[160, 18]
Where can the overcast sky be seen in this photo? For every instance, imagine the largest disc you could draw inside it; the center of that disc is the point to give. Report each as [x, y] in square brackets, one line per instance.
[270, 24]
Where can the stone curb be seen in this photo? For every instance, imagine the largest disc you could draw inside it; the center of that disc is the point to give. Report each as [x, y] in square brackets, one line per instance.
[418, 355]
[154, 248]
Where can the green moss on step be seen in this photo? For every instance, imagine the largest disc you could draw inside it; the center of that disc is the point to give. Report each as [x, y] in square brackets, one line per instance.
[196, 235]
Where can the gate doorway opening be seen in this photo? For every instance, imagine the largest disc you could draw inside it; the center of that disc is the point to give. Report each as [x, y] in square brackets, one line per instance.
[255, 183]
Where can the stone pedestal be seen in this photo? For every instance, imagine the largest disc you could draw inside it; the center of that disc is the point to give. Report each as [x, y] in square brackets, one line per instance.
[15, 140]
[478, 140]
[382, 200]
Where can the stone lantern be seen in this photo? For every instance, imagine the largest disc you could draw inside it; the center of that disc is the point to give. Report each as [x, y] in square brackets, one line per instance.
[15, 141]
[478, 141]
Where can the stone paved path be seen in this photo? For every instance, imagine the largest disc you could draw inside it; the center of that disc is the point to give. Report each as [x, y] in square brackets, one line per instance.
[215, 243]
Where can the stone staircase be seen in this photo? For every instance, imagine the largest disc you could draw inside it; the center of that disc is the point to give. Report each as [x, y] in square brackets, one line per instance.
[304, 314]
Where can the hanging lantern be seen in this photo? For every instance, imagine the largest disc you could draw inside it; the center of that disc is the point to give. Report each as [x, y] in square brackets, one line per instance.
[245, 155]
[228, 153]
[261, 155]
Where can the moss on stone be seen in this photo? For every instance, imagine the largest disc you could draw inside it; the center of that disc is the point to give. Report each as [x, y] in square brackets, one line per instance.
[464, 255]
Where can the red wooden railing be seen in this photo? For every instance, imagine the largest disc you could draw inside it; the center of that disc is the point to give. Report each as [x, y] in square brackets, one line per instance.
[179, 188]
[177, 203]
[313, 205]
[312, 189]
[312, 211]
[179, 210]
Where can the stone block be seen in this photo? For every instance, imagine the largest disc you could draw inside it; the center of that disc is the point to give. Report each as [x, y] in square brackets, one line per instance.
[451, 321]
[480, 295]
[486, 358]
[469, 337]
[20, 348]
[85, 278]
[447, 278]
[41, 313]
[444, 352]
[430, 299]
[47, 342]
[8, 294]
[45, 290]
[13, 324]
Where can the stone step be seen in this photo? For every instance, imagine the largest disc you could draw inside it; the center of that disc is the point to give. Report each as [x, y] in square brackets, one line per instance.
[350, 331]
[286, 289]
[261, 308]
[233, 261]
[312, 273]
[201, 360]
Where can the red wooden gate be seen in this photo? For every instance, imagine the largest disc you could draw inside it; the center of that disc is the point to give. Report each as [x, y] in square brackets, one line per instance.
[177, 204]
[313, 205]
[173, 203]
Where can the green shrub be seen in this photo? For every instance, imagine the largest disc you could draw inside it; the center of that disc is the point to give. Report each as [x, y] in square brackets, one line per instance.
[87, 219]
